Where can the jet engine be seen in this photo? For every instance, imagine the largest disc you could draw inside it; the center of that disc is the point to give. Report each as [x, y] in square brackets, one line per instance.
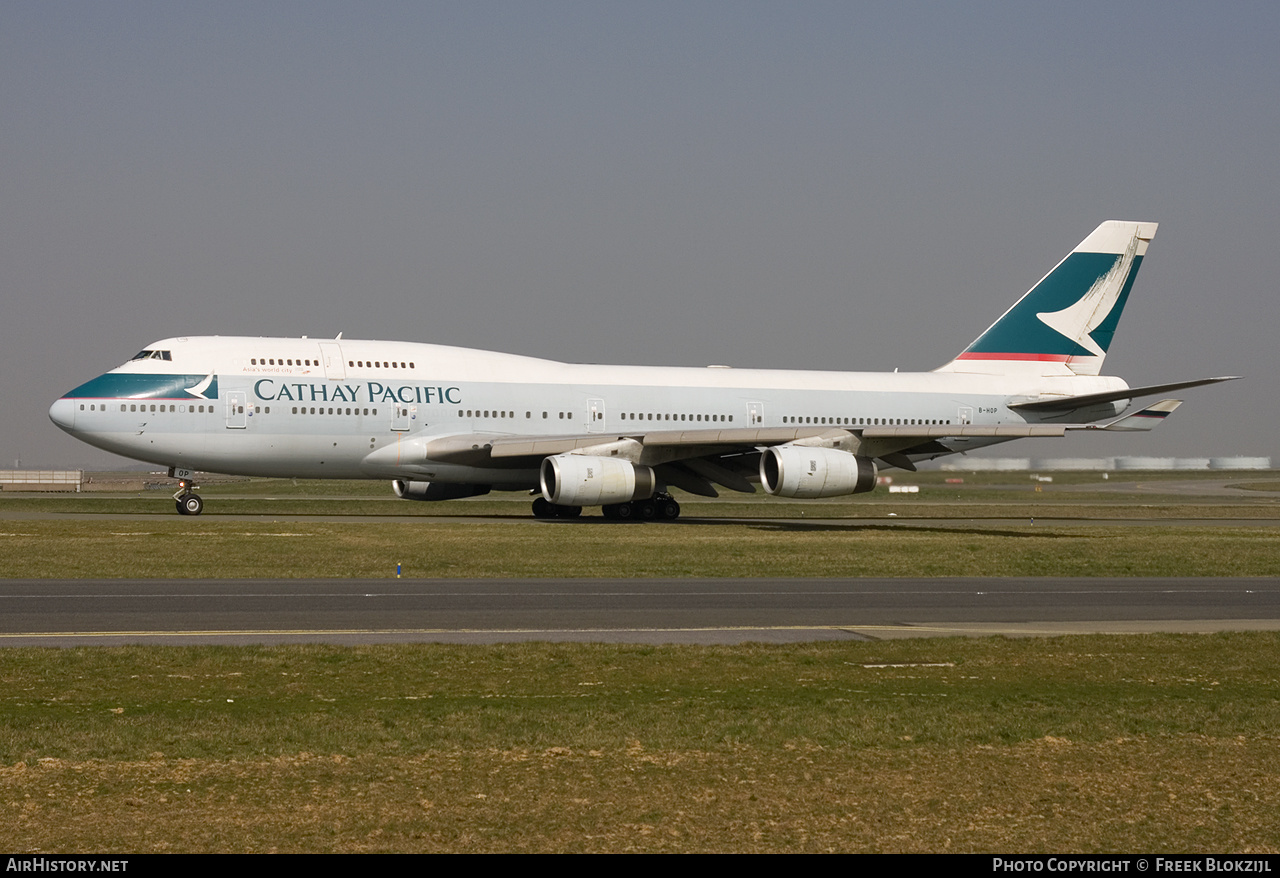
[579, 480]
[808, 473]
[413, 490]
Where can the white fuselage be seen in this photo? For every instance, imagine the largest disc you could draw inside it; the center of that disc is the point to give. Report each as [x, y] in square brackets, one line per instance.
[319, 408]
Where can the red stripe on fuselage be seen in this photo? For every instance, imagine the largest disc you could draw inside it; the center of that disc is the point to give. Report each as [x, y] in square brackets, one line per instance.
[1044, 358]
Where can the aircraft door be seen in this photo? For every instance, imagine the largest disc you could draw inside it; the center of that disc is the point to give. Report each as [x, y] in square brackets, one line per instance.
[755, 414]
[965, 414]
[401, 416]
[595, 416]
[334, 366]
[236, 417]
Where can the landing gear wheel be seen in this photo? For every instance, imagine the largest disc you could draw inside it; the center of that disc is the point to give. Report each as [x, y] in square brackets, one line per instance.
[624, 512]
[568, 511]
[190, 504]
[668, 509]
[542, 508]
[646, 510]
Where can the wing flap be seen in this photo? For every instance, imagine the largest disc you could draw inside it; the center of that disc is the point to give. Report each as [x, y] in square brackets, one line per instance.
[940, 431]
[529, 446]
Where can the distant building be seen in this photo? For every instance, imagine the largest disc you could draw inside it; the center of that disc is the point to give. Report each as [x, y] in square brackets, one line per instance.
[1088, 464]
[1239, 463]
[1102, 464]
[1146, 463]
[41, 479]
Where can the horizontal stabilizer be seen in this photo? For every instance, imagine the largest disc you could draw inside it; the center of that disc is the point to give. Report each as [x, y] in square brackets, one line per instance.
[1140, 422]
[1070, 403]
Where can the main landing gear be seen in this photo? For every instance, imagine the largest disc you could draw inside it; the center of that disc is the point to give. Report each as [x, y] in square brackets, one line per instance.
[544, 508]
[659, 507]
[186, 498]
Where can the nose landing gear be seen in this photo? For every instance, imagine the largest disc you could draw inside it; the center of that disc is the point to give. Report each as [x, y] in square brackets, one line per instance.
[186, 498]
[188, 503]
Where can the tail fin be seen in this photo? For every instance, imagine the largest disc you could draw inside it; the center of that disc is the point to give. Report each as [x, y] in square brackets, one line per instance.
[1063, 326]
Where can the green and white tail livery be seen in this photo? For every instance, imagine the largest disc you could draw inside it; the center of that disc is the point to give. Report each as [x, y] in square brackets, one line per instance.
[1064, 324]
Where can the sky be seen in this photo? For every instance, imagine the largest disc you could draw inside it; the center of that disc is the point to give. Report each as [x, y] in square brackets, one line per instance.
[792, 185]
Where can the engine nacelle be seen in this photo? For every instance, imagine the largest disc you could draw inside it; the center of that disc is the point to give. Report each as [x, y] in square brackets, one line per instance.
[809, 473]
[578, 480]
[413, 490]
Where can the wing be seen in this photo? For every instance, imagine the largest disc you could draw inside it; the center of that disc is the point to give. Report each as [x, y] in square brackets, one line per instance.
[699, 460]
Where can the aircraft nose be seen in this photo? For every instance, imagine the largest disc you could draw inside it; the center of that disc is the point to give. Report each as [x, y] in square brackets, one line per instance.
[63, 413]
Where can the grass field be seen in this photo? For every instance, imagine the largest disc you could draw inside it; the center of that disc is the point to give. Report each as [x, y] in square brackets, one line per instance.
[1150, 743]
[997, 530]
[1099, 743]
[1070, 495]
[212, 548]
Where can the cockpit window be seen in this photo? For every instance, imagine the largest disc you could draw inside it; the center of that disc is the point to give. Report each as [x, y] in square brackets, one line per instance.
[152, 355]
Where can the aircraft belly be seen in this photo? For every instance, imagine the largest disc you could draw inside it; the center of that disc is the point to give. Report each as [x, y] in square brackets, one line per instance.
[240, 453]
[512, 478]
[283, 455]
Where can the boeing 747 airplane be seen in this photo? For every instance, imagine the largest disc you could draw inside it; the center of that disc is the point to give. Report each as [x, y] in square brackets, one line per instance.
[445, 422]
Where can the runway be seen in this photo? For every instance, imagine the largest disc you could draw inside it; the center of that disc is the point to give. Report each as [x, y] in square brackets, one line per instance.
[184, 611]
